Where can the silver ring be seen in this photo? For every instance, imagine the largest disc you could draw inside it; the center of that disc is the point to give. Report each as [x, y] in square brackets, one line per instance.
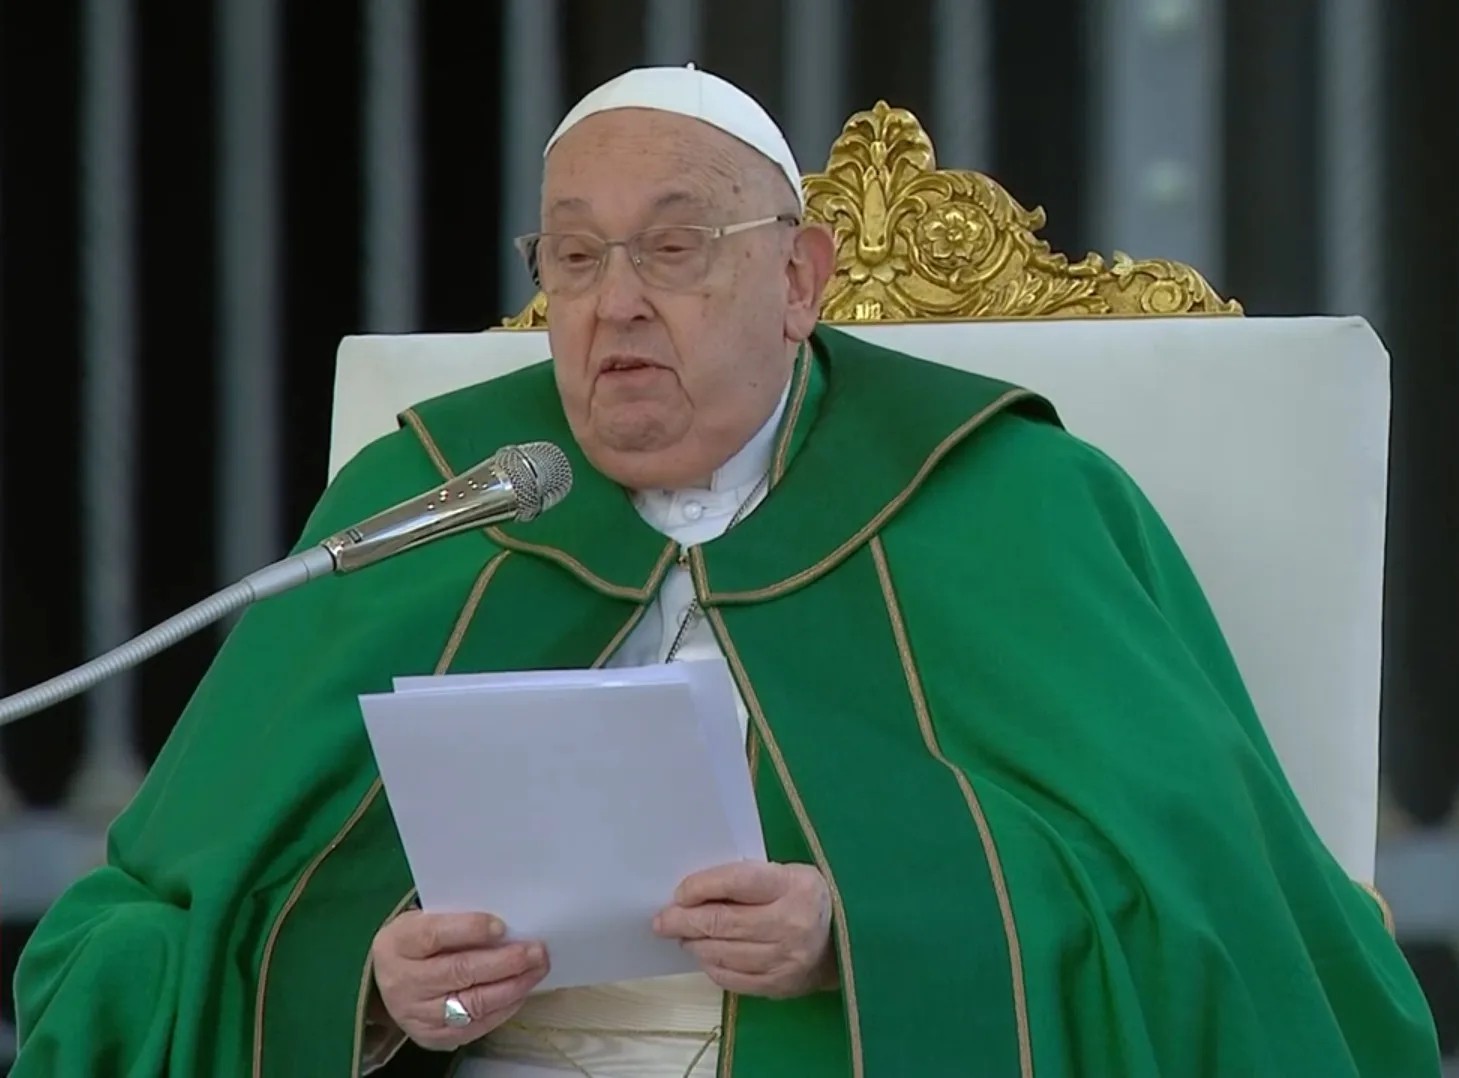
[456, 1014]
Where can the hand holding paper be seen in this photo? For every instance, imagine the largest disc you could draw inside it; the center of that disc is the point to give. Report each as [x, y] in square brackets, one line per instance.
[756, 929]
[604, 790]
[421, 958]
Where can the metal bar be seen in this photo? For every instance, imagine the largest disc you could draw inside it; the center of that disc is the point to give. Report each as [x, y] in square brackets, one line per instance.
[815, 77]
[1158, 142]
[247, 495]
[392, 168]
[1352, 107]
[530, 58]
[110, 768]
[962, 83]
[1418, 874]
[673, 32]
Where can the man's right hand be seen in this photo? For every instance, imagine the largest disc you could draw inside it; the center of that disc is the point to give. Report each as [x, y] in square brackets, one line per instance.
[421, 958]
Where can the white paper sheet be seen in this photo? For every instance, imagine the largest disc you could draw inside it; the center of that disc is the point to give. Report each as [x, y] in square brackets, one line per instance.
[569, 803]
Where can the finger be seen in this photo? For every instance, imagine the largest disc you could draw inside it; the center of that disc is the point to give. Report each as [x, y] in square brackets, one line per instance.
[749, 882]
[423, 935]
[717, 920]
[490, 1000]
[742, 984]
[448, 973]
[735, 957]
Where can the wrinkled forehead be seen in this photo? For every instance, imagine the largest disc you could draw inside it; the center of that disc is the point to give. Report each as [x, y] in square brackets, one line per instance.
[627, 162]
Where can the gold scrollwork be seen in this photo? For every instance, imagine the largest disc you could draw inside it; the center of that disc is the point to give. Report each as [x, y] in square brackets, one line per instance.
[532, 316]
[915, 242]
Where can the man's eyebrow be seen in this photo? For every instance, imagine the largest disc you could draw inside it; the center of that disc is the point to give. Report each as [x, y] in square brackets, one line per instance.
[674, 199]
[567, 204]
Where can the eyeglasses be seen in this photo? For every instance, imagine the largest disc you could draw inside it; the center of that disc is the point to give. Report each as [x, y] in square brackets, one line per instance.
[672, 257]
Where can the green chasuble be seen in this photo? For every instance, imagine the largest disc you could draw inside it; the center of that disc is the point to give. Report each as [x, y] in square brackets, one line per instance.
[988, 700]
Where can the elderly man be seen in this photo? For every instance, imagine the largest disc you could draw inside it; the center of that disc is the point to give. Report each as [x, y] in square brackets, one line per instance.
[1020, 815]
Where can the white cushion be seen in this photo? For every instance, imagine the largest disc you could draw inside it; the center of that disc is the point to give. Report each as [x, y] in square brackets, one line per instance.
[1262, 441]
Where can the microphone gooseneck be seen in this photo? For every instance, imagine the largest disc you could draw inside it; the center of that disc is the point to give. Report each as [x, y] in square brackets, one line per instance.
[518, 482]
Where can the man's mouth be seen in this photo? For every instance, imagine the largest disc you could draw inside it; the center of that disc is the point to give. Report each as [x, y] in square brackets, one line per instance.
[627, 363]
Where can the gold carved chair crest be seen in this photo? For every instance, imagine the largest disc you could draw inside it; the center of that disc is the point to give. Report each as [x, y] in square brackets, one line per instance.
[916, 242]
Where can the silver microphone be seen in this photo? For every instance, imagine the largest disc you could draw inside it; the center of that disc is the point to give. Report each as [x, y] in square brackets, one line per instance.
[518, 482]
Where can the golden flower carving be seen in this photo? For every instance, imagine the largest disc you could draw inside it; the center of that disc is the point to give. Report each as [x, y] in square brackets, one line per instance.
[951, 235]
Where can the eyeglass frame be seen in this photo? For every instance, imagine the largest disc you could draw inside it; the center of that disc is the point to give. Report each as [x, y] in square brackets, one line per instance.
[527, 246]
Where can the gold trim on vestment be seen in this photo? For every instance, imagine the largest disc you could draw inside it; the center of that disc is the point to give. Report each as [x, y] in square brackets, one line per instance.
[980, 820]
[729, 1023]
[367, 978]
[453, 643]
[1383, 907]
[698, 570]
[792, 415]
[567, 561]
[724, 1067]
[288, 907]
[620, 636]
[428, 443]
[777, 759]
[850, 546]
[562, 557]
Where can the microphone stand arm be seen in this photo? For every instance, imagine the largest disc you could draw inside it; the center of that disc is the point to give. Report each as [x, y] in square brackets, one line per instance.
[279, 577]
[515, 483]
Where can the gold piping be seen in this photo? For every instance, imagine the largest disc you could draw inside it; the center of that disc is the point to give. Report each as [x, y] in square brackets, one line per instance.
[843, 938]
[990, 847]
[468, 612]
[698, 570]
[670, 551]
[725, 1066]
[433, 451]
[458, 633]
[619, 636]
[566, 560]
[366, 979]
[842, 552]
[1383, 907]
[731, 1018]
[792, 418]
[288, 907]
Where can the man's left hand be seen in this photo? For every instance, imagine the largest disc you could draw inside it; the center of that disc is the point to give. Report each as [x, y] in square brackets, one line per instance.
[757, 929]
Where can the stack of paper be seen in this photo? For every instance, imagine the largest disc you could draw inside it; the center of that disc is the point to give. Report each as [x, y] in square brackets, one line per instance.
[568, 803]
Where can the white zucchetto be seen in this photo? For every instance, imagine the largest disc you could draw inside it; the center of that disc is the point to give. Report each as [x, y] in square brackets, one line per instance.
[699, 95]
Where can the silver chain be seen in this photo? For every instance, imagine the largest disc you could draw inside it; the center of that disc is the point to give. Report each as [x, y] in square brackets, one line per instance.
[695, 611]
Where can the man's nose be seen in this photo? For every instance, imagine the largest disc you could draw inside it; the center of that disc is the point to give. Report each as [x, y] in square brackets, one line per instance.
[621, 295]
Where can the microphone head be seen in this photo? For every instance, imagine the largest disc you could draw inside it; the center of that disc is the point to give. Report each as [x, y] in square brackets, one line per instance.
[540, 476]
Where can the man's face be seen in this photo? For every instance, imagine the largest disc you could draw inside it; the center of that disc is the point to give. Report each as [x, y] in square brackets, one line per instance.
[661, 386]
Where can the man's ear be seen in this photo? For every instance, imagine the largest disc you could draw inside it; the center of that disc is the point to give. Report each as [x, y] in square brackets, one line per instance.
[812, 258]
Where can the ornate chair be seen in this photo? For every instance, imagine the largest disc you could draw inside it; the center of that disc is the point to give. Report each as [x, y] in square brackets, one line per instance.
[1262, 441]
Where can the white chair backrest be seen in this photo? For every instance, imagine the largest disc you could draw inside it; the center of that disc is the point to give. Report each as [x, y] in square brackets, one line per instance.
[1263, 442]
